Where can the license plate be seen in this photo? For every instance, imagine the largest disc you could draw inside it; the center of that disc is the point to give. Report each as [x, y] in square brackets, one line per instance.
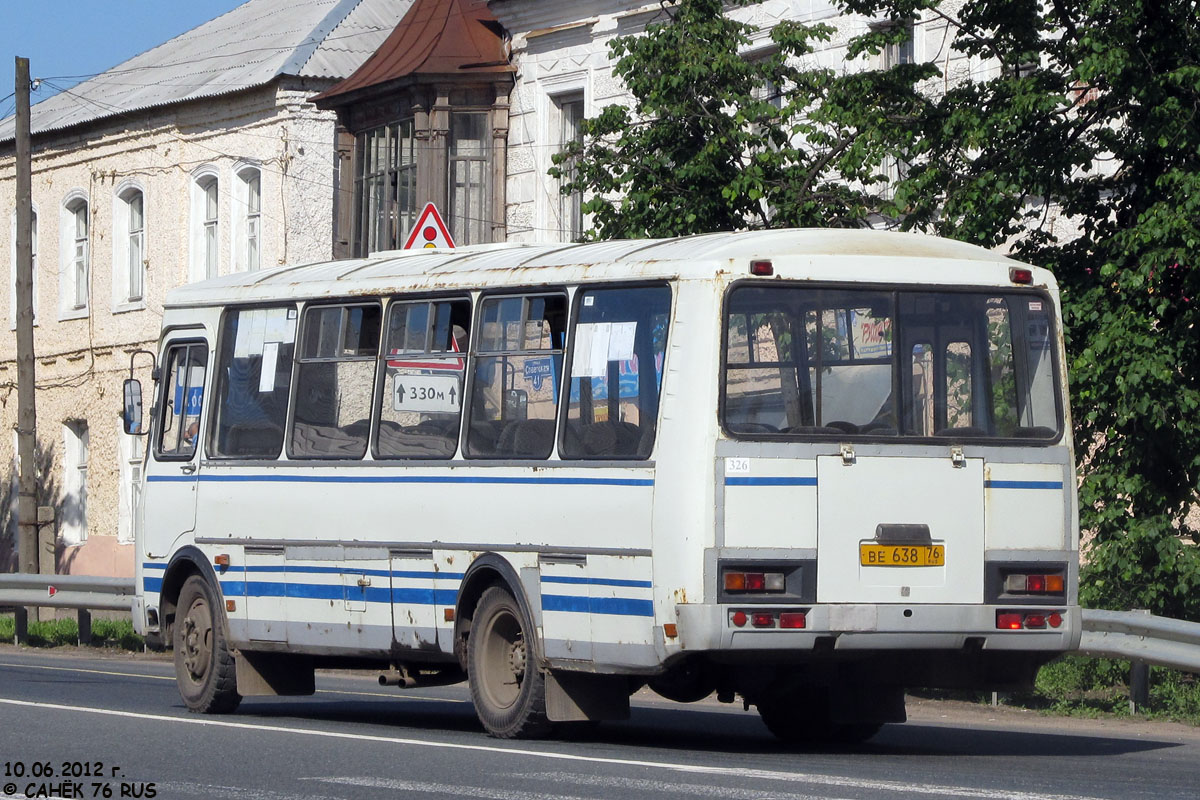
[901, 555]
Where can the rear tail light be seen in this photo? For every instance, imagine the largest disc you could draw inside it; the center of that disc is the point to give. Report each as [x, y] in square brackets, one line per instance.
[792, 619]
[769, 619]
[1040, 583]
[1009, 622]
[762, 269]
[755, 582]
[1020, 275]
[1027, 620]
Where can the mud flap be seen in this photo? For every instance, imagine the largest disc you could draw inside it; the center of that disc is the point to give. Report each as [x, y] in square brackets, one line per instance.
[266, 674]
[578, 697]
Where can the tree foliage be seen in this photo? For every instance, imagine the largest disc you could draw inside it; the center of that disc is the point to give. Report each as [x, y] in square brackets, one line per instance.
[1078, 151]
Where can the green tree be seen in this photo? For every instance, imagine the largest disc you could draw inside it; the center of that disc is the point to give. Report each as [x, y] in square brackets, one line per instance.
[1093, 116]
[1092, 119]
[715, 141]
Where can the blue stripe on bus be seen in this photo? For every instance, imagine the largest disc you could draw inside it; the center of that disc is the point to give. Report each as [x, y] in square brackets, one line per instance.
[770, 481]
[501, 480]
[152, 584]
[1055, 485]
[617, 606]
[620, 606]
[597, 581]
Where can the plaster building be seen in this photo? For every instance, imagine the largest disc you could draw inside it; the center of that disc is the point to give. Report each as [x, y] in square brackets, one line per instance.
[197, 158]
[467, 101]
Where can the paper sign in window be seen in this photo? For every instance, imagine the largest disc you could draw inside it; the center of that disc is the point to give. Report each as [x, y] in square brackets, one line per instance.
[270, 357]
[620, 344]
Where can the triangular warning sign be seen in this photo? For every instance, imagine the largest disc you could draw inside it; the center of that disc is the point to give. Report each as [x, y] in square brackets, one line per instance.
[429, 231]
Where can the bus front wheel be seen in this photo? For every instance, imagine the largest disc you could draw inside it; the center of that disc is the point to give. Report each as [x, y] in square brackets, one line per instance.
[204, 668]
[508, 689]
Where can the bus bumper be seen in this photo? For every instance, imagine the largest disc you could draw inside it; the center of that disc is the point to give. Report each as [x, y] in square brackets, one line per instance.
[712, 627]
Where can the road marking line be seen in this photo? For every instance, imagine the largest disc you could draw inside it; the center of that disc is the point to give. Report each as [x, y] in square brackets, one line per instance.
[90, 671]
[792, 777]
[455, 790]
[172, 678]
[635, 786]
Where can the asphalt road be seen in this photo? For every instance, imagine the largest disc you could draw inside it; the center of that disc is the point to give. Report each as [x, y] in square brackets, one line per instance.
[117, 727]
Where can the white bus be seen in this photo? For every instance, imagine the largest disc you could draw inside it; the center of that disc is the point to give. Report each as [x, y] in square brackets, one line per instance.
[805, 468]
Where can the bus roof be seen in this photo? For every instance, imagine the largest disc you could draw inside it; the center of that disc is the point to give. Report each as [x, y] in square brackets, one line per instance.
[815, 254]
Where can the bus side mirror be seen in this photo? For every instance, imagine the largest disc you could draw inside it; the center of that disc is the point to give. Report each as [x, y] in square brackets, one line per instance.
[131, 415]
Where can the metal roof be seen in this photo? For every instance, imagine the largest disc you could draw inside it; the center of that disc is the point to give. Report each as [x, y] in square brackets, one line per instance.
[864, 255]
[247, 47]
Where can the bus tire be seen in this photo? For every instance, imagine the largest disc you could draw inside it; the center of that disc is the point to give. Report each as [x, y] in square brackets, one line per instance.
[204, 668]
[507, 688]
[802, 718]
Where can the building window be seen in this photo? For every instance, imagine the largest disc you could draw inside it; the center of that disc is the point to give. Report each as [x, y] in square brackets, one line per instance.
[469, 197]
[248, 236]
[72, 525]
[130, 466]
[210, 228]
[74, 256]
[570, 110]
[12, 285]
[385, 187]
[205, 234]
[902, 52]
[136, 237]
[129, 246]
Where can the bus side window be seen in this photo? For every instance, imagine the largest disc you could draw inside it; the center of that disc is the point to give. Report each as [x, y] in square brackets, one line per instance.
[424, 364]
[183, 398]
[335, 379]
[618, 345]
[516, 373]
[253, 377]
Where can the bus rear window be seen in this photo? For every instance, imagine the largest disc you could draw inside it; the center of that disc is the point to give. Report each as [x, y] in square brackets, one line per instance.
[806, 361]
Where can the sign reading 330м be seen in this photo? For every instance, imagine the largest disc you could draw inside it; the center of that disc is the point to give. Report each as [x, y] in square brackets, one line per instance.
[426, 393]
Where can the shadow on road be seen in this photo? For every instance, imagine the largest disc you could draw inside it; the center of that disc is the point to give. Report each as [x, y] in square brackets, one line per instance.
[697, 730]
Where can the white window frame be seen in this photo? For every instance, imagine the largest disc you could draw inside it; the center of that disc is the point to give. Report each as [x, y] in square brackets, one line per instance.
[247, 219]
[130, 455]
[74, 255]
[12, 272]
[554, 90]
[76, 447]
[204, 229]
[126, 296]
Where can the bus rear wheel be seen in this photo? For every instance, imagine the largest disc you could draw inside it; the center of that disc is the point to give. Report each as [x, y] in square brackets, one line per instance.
[803, 718]
[204, 668]
[508, 689]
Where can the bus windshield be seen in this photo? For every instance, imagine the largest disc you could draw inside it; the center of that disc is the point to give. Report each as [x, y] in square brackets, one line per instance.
[811, 361]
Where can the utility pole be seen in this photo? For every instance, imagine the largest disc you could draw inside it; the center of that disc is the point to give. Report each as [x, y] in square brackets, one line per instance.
[27, 527]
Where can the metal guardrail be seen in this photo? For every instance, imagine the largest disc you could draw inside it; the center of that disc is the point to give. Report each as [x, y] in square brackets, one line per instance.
[1140, 636]
[67, 591]
[82, 592]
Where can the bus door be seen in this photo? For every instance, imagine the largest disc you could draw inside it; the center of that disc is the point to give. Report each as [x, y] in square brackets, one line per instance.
[173, 470]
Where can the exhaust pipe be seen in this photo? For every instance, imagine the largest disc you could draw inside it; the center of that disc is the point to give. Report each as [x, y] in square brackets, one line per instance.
[397, 677]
